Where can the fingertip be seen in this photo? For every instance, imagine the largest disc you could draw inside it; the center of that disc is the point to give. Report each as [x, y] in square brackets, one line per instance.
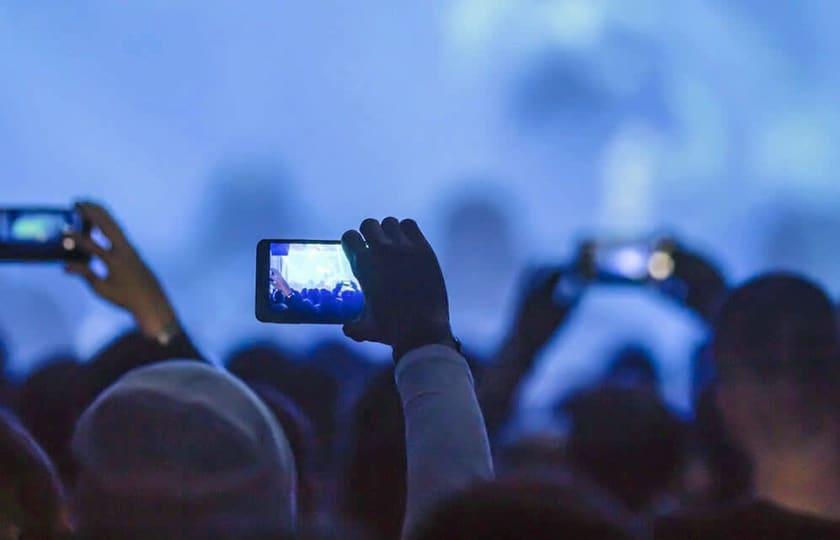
[369, 222]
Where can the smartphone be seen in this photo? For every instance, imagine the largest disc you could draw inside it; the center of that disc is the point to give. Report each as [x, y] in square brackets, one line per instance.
[621, 261]
[40, 234]
[306, 281]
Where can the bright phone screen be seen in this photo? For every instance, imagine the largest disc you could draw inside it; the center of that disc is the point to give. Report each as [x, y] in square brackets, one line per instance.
[313, 282]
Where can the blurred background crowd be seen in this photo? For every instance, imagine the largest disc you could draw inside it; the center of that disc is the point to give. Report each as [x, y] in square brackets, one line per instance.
[511, 129]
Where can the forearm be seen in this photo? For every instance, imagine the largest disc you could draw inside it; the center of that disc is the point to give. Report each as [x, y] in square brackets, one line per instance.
[500, 381]
[446, 440]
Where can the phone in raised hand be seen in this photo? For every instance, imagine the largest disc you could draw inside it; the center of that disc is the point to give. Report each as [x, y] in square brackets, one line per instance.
[627, 261]
[40, 234]
[306, 281]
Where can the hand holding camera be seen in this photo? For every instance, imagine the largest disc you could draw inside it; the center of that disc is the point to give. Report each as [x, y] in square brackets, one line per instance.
[129, 282]
[406, 301]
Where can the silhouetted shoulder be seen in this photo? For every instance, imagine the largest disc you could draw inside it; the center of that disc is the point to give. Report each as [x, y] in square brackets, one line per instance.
[745, 522]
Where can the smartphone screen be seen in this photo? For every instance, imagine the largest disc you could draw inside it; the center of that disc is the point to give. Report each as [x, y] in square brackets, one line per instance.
[306, 282]
[38, 233]
[627, 262]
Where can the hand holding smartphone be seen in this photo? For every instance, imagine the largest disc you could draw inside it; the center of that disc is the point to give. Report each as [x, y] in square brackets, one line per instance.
[37, 234]
[627, 262]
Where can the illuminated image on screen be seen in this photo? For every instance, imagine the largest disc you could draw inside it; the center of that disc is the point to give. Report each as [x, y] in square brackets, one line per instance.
[34, 227]
[313, 282]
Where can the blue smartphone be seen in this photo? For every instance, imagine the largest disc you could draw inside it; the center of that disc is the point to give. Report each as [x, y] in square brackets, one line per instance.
[40, 234]
[306, 281]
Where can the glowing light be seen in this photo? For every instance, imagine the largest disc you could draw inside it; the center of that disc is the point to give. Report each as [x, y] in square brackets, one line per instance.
[661, 265]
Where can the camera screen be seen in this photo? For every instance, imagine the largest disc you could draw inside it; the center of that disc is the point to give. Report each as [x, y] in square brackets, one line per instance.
[312, 282]
[623, 261]
[35, 227]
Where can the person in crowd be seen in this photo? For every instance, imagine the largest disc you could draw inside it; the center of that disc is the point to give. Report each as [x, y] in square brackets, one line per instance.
[373, 483]
[407, 308]
[627, 441]
[540, 314]
[301, 436]
[8, 392]
[776, 347]
[32, 504]
[313, 391]
[549, 506]
[48, 407]
[175, 448]
[180, 449]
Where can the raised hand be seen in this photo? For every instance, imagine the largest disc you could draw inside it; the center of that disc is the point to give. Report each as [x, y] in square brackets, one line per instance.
[542, 307]
[129, 282]
[405, 294]
[697, 283]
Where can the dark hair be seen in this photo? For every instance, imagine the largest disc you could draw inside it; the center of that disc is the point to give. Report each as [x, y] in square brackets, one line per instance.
[514, 508]
[373, 485]
[299, 432]
[129, 351]
[626, 440]
[27, 471]
[777, 324]
[315, 392]
[49, 408]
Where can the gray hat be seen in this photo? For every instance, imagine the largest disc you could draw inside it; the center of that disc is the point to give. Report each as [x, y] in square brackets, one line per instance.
[182, 450]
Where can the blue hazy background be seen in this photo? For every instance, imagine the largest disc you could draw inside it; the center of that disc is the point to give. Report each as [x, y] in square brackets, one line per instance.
[508, 128]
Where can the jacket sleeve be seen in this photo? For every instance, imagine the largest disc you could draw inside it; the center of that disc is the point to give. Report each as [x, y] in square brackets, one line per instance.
[446, 440]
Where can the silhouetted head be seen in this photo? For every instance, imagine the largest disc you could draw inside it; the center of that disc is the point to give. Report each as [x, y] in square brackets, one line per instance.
[374, 479]
[31, 497]
[776, 351]
[626, 440]
[301, 435]
[48, 407]
[314, 391]
[182, 450]
[128, 351]
[533, 509]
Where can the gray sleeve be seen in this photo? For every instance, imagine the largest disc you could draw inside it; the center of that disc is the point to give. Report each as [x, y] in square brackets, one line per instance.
[446, 439]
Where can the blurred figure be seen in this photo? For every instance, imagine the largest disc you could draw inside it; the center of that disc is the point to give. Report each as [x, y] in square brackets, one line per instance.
[633, 366]
[776, 348]
[627, 441]
[7, 390]
[446, 443]
[32, 502]
[49, 408]
[314, 392]
[480, 253]
[373, 483]
[126, 352]
[181, 450]
[549, 507]
[541, 312]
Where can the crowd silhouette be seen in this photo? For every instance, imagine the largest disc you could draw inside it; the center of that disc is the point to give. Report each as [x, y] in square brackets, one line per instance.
[150, 439]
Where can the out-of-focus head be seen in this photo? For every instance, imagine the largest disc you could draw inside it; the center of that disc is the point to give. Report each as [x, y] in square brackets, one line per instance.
[128, 351]
[776, 351]
[373, 484]
[314, 391]
[182, 450]
[48, 407]
[31, 496]
[627, 441]
[301, 436]
[515, 508]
